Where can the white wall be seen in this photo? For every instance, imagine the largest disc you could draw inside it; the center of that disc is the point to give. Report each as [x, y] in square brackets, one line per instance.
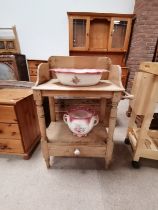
[42, 25]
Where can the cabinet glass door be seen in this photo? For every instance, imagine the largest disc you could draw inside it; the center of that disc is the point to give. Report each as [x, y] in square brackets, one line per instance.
[79, 37]
[119, 34]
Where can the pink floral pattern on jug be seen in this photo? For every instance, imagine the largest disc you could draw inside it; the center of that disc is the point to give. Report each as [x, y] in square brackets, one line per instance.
[81, 120]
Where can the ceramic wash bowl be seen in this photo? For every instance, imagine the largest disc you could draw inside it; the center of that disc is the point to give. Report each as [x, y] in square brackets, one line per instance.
[78, 77]
[81, 120]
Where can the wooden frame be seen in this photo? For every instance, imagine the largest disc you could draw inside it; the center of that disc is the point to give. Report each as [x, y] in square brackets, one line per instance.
[127, 35]
[54, 144]
[144, 141]
[71, 46]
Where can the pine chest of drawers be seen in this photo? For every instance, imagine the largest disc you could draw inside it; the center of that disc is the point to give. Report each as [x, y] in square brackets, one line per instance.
[19, 129]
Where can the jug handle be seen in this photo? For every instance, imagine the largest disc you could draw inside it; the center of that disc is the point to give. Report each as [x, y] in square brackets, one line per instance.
[96, 120]
[65, 116]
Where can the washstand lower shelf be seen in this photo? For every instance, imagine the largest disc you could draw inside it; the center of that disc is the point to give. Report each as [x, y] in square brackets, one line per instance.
[61, 141]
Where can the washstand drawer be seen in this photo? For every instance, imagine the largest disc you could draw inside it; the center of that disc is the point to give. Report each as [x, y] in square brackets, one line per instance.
[8, 114]
[10, 146]
[77, 151]
[9, 131]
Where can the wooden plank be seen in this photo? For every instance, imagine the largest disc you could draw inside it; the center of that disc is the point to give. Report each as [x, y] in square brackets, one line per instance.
[143, 82]
[28, 121]
[12, 96]
[150, 154]
[115, 76]
[78, 94]
[58, 134]
[127, 36]
[101, 14]
[80, 62]
[14, 84]
[43, 74]
[9, 131]
[102, 86]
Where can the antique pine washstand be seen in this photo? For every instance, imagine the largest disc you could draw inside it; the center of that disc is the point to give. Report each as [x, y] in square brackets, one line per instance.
[57, 140]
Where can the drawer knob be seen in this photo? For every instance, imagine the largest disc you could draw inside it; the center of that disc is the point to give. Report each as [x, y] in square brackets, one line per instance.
[76, 152]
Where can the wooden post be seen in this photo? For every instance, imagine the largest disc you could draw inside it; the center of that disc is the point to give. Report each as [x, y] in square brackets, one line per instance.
[52, 109]
[102, 109]
[42, 125]
[112, 122]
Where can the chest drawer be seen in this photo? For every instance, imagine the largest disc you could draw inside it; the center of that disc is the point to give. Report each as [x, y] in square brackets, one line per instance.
[9, 131]
[10, 146]
[7, 114]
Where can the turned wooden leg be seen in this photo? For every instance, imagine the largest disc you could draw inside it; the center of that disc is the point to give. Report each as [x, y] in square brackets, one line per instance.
[42, 125]
[52, 109]
[47, 160]
[102, 109]
[110, 151]
[112, 122]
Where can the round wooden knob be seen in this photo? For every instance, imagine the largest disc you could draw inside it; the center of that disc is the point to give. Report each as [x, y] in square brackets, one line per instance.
[77, 152]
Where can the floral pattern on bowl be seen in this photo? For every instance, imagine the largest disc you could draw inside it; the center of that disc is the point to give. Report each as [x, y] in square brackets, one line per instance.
[81, 120]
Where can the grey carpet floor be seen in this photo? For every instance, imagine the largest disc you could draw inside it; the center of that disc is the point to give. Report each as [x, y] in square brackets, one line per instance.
[80, 184]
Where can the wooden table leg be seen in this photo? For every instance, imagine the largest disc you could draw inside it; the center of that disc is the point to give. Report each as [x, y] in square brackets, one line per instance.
[130, 126]
[112, 122]
[42, 125]
[102, 109]
[52, 109]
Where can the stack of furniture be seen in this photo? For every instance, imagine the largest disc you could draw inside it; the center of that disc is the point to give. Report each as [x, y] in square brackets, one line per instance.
[101, 34]
[13, 64]
[144, 141]
[57, 140]
[19, 128]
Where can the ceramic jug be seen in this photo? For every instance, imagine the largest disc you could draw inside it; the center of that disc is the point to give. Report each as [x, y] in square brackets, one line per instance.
[81, 120]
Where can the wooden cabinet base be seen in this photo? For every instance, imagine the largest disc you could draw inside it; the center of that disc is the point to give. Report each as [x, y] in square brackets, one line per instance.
[19, 128]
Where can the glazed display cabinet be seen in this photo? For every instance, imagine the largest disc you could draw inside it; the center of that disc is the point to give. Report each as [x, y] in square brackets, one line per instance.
[101, 34]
